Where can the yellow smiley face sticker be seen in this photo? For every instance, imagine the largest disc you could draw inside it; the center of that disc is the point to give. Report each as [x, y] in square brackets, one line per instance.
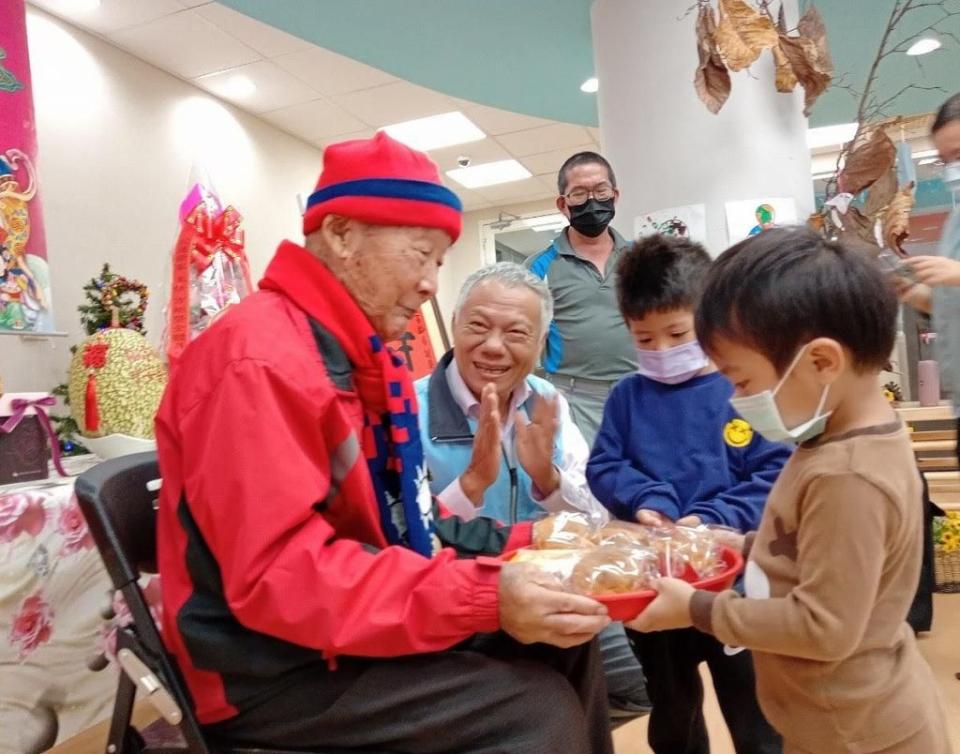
[737, 433]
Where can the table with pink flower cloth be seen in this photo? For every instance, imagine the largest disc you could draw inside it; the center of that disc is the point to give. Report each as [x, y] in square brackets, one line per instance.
[53, 588]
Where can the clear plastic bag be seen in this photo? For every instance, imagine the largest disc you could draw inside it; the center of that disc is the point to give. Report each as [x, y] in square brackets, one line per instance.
[621, 557]
[614, 569]
[563, 531]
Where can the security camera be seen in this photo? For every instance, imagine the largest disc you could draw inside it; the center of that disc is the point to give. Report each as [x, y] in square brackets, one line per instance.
[463, 161]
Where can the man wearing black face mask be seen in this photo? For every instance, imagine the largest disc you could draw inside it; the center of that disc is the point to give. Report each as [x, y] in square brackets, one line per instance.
[588, 347]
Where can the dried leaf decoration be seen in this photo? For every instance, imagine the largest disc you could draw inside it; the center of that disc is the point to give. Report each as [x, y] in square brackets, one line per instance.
[872, 156]
[743, 33]
[881, 192]
[712, 80]
[896, 219]
[811, 27]
[786, 78]
[803, 56]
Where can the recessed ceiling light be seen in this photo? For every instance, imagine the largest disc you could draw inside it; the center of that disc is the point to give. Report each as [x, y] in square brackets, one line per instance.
[591, 85]
[827, 136]
[924, 46]
[436, 131]
[235, 87]
[489, 174]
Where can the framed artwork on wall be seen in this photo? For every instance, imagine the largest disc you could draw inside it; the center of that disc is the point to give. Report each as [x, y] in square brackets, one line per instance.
[749, 217]
[685, 222]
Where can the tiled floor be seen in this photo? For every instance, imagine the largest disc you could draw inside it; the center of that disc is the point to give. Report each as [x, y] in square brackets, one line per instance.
[941, 647]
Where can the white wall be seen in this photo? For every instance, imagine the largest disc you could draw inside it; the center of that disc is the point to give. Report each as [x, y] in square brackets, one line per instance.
[117, 141]
[466, 255]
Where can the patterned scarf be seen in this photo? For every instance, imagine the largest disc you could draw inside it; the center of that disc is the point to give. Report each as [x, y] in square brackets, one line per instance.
[391, 435]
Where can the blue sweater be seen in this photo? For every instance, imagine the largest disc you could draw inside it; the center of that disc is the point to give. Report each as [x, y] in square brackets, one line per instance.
[681, 450]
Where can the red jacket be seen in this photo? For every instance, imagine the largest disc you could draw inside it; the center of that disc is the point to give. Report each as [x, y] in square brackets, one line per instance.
[270, 548]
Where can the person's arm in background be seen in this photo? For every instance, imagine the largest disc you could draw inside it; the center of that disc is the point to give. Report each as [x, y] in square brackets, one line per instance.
[614, 478]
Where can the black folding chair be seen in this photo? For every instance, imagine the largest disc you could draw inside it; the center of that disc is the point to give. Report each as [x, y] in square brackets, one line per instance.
[117, 498]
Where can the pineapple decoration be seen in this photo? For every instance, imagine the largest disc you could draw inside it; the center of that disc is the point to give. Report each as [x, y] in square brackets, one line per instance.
[116, 377]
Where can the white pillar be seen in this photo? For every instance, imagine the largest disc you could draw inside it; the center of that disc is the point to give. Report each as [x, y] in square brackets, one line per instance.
[667, 149]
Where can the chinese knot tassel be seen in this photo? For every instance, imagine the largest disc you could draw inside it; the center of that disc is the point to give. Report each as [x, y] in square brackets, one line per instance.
[91, 413]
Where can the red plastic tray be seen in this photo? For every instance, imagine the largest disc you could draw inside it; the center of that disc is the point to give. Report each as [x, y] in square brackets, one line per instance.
[628, 606]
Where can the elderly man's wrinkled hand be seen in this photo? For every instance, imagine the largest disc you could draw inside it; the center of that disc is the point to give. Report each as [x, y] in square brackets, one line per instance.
[535, 442]
[535, 608]
[484, 464]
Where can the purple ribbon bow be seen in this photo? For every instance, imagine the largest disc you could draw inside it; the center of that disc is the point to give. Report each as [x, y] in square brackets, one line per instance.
[19, 407]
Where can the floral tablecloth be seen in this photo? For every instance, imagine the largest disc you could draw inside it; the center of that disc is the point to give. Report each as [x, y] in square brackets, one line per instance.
[53, 588]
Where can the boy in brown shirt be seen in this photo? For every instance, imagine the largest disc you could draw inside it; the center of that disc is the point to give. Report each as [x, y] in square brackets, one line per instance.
[802, 327]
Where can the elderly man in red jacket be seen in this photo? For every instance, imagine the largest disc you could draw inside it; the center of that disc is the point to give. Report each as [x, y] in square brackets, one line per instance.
[314, 595]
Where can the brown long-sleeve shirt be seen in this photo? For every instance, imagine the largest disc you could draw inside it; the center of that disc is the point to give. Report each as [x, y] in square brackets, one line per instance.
[829, 581]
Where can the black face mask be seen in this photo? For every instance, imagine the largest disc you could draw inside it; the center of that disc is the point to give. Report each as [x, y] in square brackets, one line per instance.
[592, 217]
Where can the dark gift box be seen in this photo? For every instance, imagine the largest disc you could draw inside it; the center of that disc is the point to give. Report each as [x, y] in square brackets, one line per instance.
[24, 445]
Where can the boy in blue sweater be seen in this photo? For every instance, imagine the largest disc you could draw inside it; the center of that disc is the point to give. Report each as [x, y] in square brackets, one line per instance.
[671, 449]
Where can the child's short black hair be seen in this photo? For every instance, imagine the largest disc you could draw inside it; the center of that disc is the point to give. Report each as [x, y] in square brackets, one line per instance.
[660, 273]
[779, 290]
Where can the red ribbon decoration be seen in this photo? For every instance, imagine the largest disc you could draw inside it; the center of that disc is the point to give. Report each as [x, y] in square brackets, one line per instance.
[201, 238]
[19, 407]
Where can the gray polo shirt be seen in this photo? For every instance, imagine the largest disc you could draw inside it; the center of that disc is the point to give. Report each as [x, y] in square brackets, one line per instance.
[587, 338]
[946, 314]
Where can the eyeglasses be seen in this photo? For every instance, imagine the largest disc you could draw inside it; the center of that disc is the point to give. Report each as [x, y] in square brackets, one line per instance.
[578, 196]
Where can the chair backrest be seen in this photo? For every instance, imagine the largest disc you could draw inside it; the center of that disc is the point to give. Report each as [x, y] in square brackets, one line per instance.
[117, 501]
[119, 509]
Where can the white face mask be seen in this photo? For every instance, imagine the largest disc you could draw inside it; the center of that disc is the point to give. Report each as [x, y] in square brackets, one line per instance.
[761, 412]
[951, 176]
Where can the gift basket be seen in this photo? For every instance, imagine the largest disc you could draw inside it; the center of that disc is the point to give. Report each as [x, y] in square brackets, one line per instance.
[617, 563]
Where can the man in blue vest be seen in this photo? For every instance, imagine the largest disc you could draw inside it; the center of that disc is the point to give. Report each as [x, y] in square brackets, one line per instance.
[500, 442]
[588, 347]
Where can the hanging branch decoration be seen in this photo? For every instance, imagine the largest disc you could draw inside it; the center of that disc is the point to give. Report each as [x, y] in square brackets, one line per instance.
[867, 162]
[742, 35]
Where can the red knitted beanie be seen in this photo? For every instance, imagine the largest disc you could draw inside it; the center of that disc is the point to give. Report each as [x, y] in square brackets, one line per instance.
[382, 182]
